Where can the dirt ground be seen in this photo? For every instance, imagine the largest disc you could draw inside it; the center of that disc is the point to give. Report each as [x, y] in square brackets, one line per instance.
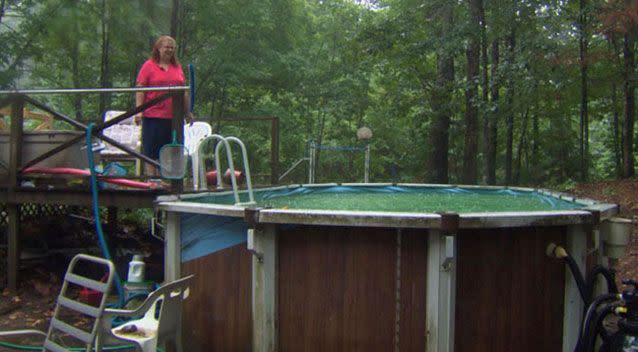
[31, 305]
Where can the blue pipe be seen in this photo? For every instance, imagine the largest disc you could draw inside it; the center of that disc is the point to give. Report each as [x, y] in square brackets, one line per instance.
[96, 212]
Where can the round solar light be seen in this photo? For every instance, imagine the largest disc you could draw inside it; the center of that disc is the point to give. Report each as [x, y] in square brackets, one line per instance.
[364, 133]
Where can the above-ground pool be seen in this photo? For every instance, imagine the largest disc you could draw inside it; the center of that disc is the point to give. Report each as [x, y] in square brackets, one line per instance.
[380, 267]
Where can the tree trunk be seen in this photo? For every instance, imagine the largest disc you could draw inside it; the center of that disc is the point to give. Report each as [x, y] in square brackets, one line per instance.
[630, 106]
[105, 72]
[534, 172]
[522, 145]
[74, 48]
[584, 114]
[441, 97]
[486, 93]
[2, 3]
[471, 111]
[175, 20]
[492, 120]
[509, 137]
[616, 131]
[615, 138]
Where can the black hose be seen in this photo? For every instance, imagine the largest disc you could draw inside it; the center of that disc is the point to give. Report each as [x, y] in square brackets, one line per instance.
[590, 335]
[578, 276]
[607, 274]
[591, 312]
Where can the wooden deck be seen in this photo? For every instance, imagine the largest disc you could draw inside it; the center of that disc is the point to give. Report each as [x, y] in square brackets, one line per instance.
[13, 198]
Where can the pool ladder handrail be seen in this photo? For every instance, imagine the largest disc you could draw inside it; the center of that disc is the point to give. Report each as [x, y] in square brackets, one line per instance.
[201, 179]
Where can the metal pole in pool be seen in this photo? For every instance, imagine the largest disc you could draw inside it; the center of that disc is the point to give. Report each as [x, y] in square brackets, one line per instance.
[366, 177]
[311, 158]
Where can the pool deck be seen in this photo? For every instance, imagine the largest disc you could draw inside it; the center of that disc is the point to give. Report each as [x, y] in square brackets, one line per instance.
[14, 197]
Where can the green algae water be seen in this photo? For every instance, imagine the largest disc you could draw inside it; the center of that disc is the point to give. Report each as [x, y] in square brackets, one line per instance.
[402, 199]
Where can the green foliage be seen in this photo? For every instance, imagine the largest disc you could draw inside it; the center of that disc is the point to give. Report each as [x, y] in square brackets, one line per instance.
[326, 68]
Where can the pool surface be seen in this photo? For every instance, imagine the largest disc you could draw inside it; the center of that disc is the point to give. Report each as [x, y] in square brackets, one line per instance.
[416, 199]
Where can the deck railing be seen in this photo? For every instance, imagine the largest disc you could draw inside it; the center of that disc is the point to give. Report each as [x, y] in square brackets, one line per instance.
[16, 100]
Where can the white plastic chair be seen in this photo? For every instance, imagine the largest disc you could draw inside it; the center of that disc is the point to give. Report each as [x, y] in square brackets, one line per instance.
[156, 325]
[194, 134]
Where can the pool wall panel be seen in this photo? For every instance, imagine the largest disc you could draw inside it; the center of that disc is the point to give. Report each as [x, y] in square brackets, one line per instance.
[338, 289]
[217, 314]
[413, 278]
[509, 293]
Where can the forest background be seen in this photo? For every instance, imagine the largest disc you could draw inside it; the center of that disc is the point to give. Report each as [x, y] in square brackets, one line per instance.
[524, 92]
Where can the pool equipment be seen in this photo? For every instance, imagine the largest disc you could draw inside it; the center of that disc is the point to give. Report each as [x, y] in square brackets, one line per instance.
[199, 176]
[314, 147]
[364, 134]
[173, 160]
[597, 333]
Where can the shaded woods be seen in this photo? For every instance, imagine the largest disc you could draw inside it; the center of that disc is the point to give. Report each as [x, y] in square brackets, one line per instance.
[477, 91]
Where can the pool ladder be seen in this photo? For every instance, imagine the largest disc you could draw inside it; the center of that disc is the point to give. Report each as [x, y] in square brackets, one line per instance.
[199, 177]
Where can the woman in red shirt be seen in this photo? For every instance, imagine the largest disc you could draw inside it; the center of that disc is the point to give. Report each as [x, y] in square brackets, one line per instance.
[160, 70]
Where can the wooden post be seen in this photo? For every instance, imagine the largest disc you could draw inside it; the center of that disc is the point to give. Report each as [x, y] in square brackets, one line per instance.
[264, 307]
[15, 162]
[177, 186]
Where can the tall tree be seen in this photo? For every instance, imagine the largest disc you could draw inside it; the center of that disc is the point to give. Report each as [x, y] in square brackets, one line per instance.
[629, 89]
[485, 64]
[583, 46]
[492, 119]
[441, 99]
[2, 3]
[509, 120]
[471, 93]
[105, 65]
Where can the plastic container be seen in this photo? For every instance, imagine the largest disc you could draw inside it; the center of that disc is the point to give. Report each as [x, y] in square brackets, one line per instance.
[616, 235]
[136, 269]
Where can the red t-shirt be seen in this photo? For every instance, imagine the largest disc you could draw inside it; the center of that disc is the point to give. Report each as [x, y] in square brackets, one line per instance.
[153, 75]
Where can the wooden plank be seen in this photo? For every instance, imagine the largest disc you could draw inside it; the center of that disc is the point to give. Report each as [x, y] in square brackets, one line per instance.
[15, 160]
[13, 253]
[510, 294]
[337, 289]
[121, 199]
[413, 288]
[217, 313]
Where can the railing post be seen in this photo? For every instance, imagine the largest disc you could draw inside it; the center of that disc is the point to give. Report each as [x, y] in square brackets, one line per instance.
[177, 186]
[15, 161]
